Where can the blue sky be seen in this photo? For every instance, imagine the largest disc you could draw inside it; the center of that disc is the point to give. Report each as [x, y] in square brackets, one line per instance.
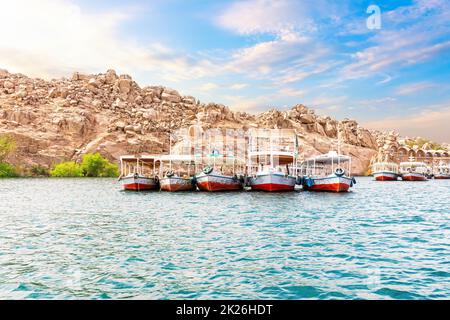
[253, 55]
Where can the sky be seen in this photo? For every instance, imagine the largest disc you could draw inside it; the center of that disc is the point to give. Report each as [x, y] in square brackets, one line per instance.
[252, 55]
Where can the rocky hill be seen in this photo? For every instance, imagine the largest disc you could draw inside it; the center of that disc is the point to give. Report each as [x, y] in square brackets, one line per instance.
[108, 113]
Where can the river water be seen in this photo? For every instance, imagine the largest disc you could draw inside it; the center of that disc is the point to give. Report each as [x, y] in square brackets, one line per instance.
[87, 239]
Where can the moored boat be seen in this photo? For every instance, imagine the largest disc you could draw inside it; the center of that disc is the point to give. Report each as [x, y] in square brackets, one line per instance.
[442, 171]
[272, 155]
[414, 171]
[327, 172]
[385, 171]
[172, 182]
[213, 180]
[272, 181]
[441, 176]
[177, 177]
[137, 173]
[138, 182]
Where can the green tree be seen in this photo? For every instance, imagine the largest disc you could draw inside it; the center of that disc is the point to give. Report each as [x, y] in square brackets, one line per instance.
[94, 165]
[67, 169]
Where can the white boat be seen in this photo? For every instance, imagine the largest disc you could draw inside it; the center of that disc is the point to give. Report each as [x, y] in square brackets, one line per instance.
[177, 177]
[271, 160]
[327, 172]
[442, 171]
[138, 173]
[414, 171]
[385, 171]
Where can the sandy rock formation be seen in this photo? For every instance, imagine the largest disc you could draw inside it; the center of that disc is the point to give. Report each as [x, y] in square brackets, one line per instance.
[109, 113]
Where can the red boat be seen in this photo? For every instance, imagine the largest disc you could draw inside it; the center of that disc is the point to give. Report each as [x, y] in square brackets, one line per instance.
[385, 171]
[272, 181]
[332, 183]
[175, 183]
[138, 173]
[414, 171]
[442, 171]
[272, 155]
[211, 180]
[411, 176]
[326, 173]
[181, 180]
[137, 182]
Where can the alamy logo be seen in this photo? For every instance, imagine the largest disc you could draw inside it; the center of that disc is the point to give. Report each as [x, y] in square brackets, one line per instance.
[374, 20]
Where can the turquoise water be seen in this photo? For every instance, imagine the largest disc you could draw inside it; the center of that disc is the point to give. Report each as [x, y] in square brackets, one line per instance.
[85, 238]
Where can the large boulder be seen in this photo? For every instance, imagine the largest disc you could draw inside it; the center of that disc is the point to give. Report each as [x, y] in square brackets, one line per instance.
[124, 86]
[307, 118]
[170, 97]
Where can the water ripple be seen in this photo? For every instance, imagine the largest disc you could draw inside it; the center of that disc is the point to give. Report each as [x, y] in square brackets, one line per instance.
[87, 239]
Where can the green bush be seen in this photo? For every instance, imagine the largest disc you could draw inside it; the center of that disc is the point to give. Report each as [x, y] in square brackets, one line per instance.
[94, 165]
[7, 145]
[39, 171]
[7, 171]
[110, 170]
[67, 169]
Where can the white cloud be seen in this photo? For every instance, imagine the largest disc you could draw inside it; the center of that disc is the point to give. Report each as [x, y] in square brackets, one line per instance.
[284, 58]
[291, 92]
[248, 104]
[431, 122]
[327, 103]
[238, 86]
[412, 88]
[264, 16]
[209, 86]
[51, 38]
[405, 39]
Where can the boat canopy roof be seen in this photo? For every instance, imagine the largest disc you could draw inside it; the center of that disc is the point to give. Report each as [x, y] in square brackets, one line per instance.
[176, 157]
[278, 158]
[412, 164]
[385, 164]
[134, 159]
[328, 158]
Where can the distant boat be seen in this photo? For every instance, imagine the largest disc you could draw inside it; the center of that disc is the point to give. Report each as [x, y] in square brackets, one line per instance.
[385, 171]
[272, 155]
[138, 174]
[327, 172]
[442, 171]
[414, 171]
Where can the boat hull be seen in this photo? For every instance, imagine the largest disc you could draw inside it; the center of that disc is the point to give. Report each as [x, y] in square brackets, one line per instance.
[139, 183]
[216, 182]
[414, 177]
[385, 176]
[442, 176]
[174, 184]
[329, 184]
[272, 183]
